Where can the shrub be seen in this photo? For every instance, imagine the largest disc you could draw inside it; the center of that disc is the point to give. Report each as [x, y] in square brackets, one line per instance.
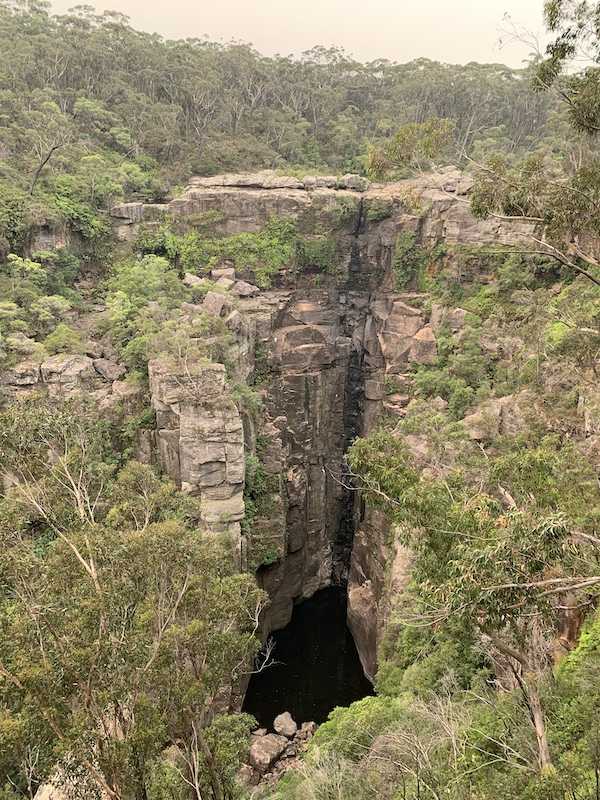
[410, 260]
[63, 339]
[317, 252]
[379, 209]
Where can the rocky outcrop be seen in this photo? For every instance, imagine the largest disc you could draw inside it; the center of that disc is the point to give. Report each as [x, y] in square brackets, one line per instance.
[284, 725]
[68, 375]
[331, 345]
[337, 346]
[272, 754]
[200, 439]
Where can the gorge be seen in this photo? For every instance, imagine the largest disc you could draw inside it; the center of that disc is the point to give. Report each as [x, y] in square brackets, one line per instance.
[275, 368]
[335, 343]
[332, 339]
[299, 414]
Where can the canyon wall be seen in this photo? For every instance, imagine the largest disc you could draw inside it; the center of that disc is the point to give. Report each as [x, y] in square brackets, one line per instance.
[327, 343]
[331, 342]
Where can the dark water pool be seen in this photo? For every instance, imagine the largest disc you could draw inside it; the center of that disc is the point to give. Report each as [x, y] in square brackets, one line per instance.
[318, 667]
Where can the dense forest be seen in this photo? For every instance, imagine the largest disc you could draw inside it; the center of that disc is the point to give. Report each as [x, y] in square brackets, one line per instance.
[127, 630]
[93, 111]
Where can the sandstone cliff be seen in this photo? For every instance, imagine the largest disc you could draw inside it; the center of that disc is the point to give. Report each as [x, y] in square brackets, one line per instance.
[330, 339]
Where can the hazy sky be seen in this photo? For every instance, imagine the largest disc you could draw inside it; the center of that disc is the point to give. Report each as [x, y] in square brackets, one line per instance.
[455, 31]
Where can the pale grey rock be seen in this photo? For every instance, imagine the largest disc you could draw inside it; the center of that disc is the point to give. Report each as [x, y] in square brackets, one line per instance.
[505, 415]
[354, 182]
[424, 347]
[308, 729]
[109, 370]
[453, 318]
[248, 776]
[285, 725]
[216, 304]
[225, 283]
[93, 349]
[66, 374]
[484, 423]
[193, 280]
[244, 289]
[265, 750]
[26, 373]
[374, 390]
[64, 367]
[223, 272]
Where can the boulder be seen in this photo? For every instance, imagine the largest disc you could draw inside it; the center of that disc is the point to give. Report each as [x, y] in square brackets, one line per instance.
[109, 370]
[356, 183]
[265, 750]
[27, 373]
[225, 283]
[93, 349]
[424, 346]
[285, 725]
[192, 280]
[223, 272]
[453, 318]
[503, 415]
[215, 304]
[243, 289]
[248, 776]
[307, 730]
[66, 373]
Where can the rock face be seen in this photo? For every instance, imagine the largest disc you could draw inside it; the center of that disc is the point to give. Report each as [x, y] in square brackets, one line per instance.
[273, 754]
[265, 750]
[335, 344]
[331, 345]
[201, 439]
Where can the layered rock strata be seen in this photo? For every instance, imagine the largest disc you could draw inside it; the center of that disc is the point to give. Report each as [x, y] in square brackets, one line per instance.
[331, 342]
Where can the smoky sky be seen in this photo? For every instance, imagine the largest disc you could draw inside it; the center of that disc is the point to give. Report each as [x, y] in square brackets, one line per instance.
[453, 31]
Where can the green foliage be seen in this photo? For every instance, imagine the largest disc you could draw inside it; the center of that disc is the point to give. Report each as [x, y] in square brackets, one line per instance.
[72, 148]
[415, 145]
[263, 254]
[462, 375]
[410, 261]
[141, 293]
[317, 253]
[63, 339]
[345, 212]
[420, 661]
[39, 296]
[14, 217]
[379, 209]
[118, 575]
[261, 492]
[349, 730]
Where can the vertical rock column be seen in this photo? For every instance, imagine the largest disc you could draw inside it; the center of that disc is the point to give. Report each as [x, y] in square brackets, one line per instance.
[200, 440]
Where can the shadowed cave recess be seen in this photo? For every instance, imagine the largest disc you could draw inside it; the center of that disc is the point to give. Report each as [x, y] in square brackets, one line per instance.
[315, 665]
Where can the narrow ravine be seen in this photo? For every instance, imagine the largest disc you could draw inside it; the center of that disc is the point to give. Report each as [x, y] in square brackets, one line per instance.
[316, 665]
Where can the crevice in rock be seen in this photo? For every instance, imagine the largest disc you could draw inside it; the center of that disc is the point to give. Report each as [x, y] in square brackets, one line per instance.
[353, 407]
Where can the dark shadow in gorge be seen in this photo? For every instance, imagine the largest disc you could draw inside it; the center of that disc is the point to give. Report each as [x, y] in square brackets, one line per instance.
[318, 667]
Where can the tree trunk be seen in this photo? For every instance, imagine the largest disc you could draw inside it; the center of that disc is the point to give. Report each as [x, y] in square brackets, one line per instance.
[539, 724]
